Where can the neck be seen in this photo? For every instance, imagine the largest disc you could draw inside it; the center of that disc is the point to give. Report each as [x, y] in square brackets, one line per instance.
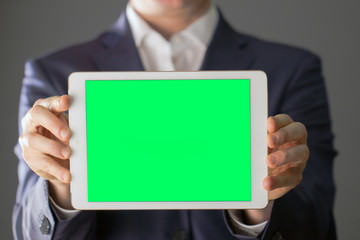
[169, 21]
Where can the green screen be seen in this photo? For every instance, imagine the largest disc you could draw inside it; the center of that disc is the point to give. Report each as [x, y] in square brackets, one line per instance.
[168, 140]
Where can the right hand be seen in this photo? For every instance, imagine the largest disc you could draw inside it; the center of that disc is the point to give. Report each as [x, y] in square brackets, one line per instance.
[45, 145]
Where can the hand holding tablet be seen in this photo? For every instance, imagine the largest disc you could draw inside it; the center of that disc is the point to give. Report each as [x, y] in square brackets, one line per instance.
[168, 140]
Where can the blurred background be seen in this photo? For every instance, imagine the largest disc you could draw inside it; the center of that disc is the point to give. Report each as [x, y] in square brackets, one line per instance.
[330, 28]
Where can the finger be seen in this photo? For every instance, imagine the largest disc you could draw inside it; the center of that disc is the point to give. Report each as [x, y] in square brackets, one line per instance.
[276, 122]
[55, 104]
[43, 117]
[45, 145]
[64, 117]
[293, 156]
[25, 122]
[291, 132]
[48, 168]
[288, 179]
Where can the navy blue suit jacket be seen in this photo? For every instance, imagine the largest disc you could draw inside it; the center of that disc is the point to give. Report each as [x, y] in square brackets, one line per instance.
[295, 86]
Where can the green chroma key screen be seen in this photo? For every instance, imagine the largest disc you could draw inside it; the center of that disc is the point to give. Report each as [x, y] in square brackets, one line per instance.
[168, 140]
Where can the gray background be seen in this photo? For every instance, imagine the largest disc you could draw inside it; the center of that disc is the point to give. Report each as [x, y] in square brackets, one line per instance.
[329, 28]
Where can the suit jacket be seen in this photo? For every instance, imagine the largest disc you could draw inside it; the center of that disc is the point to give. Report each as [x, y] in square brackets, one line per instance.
[295, 87]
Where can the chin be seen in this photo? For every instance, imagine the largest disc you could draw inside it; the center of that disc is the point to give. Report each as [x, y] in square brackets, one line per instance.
[172, 3]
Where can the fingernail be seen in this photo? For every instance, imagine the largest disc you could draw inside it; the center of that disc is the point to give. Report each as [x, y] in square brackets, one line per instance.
[65, 152]
[274, 139]
[271, 161]
[64, 133]
[271, 183]
[63, 176]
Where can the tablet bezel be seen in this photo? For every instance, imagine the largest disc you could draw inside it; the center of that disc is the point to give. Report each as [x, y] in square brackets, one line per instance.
[78, 160]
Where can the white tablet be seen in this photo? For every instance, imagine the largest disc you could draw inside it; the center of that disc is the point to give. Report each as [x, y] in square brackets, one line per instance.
[168, 140]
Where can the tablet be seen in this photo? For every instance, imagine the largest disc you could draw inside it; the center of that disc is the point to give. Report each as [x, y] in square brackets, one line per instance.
[168, 140]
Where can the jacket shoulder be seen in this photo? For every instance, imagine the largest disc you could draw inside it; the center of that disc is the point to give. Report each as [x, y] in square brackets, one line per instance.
[78, 56]
[279, 53]
[51, 70]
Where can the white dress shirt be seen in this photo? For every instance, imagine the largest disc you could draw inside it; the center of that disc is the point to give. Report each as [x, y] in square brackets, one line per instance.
[184, 51]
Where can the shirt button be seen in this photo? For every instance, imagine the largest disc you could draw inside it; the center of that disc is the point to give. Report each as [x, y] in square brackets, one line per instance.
[277, 236]
[45, 226]
[179, 235]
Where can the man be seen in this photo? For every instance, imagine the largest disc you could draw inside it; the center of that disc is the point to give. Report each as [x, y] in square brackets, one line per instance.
[172, 35]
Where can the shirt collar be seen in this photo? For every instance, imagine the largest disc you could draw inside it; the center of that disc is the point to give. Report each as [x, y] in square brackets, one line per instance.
[202, 29]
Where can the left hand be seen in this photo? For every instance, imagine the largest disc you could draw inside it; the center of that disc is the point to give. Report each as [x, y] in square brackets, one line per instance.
[287, 156]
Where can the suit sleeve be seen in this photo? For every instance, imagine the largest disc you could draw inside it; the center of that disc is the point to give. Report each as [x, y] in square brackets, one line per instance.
[306, 212]
[32, 216]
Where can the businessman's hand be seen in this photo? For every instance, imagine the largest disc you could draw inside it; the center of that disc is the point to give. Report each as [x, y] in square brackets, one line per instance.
[45, 145]
[287, 156]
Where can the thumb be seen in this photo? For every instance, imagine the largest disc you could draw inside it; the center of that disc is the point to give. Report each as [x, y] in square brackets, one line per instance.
[56, 104]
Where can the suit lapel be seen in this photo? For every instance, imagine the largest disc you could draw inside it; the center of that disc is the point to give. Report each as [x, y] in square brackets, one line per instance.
[227, 50]
[119, 52]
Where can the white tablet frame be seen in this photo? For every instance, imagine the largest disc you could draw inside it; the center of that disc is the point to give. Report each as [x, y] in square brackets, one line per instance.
[78, 162]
